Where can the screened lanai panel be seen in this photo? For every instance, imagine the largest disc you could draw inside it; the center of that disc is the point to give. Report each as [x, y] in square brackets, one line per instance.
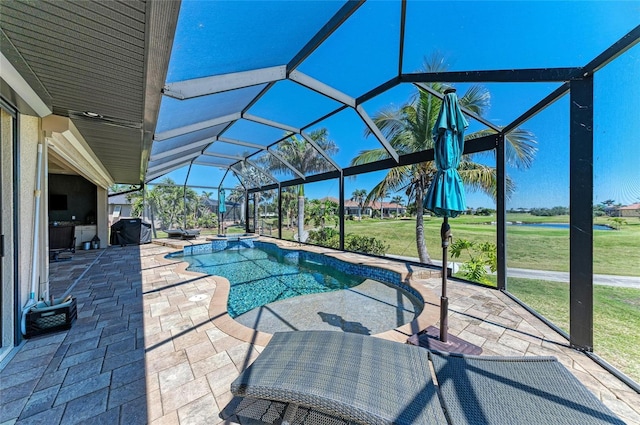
[392, 107]
[179, 157]
[231, 182]
[392, 98]
[206, 177]
[223, 148]
[276, 167]
[175, 113]
[616, 198]
[250, 175]
[508, 101]
[208, 40]
[506, 35]
[616, 128]
[267, 212]
[291, 104]
[321, 212]
[353, 63]
[197, 138]
[254, 132]
[214, 161]
[539, 202]
[187, 152]
[175, 176]
[304, 157]
[347, 130]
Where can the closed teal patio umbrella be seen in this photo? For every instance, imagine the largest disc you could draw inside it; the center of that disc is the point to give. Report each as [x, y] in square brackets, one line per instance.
[445, 197]
[222, 208]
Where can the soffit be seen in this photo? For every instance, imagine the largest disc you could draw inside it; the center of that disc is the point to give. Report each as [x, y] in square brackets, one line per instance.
[100, 57]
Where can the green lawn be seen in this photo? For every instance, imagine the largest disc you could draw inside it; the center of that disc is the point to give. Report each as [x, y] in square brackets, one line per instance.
[616, 317]
[615, 251]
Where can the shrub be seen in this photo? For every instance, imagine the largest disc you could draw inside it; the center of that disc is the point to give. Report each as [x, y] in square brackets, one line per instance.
[330, 238]
[367, 245]
[484, 212]
[327, 236]
[209, 220]
[481, 256]
[617, 222]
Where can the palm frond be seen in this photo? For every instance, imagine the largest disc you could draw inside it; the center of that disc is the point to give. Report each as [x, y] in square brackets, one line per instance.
[377, 192]
[476, 99]
[480, 177]
[520, 147]
[370, 155]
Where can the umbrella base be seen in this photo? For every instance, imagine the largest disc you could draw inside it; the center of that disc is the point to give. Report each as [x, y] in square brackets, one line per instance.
[428, 339]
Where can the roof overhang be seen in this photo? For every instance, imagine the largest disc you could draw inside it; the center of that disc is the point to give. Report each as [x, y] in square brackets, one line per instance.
[103, 68]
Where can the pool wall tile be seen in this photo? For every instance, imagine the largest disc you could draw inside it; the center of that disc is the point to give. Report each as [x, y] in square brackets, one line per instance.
[215, 246]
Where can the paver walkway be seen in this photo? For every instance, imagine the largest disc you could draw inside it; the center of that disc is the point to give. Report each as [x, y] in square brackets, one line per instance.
[550, 275]
[144, 349]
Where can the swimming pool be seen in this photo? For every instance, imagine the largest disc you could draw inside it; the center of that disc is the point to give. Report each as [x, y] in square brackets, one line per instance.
[261, 273]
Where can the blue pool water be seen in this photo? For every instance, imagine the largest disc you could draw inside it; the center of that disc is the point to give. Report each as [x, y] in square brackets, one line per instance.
[560, 225]
[265, 274]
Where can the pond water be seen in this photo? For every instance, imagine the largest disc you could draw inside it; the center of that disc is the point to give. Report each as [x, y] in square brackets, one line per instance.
[559, 225]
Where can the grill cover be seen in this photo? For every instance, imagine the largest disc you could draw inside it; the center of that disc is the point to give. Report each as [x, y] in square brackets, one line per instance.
[130, 231]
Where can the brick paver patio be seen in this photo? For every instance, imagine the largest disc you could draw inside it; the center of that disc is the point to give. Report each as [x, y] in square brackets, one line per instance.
[145, 350]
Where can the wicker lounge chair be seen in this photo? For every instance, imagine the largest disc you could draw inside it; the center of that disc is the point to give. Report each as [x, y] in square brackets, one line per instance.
[339, 378]
[174, 233]
[180, 233]
[324, 377]
[515, 390]
[190, 234]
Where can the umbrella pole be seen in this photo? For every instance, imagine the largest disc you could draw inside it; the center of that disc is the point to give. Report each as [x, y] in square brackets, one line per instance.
[445, 234]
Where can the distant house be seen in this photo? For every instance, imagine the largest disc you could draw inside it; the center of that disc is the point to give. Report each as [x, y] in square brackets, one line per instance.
[632, 210]
[351, 207]
[118, 207]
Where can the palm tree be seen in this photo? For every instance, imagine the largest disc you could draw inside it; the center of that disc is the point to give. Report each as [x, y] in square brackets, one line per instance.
[289, 203]
[398, 200]
[237, 196]
[202, 205]
[305, 159]
[408, 129]
[358, 196]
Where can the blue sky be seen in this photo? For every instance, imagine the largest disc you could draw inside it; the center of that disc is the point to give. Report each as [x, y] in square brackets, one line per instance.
[482, 35]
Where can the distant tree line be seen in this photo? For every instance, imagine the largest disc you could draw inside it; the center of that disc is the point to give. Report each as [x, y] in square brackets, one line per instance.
[548, 212]
[171, 205]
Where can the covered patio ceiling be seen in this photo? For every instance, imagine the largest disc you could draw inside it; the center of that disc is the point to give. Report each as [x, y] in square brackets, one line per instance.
[101, 64]
[156, 87]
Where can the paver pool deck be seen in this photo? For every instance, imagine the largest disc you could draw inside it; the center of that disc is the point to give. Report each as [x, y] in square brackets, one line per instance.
[152, 345]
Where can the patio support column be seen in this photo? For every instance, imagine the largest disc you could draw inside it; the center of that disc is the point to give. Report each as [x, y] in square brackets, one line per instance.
[184, 196]
[246, 211]
[279, 211]
[501, 212]
[581, 214]
[341, 210]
